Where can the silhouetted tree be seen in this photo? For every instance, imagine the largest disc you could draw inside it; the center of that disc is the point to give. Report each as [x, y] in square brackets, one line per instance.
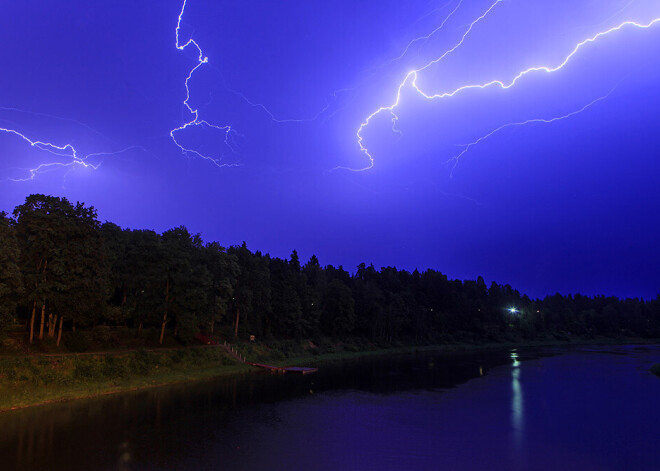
[11, 281]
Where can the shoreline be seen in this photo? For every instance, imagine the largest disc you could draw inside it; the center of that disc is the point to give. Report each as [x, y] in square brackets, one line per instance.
[30, 395]
[35, 380]
[460, 348]
[190, 378]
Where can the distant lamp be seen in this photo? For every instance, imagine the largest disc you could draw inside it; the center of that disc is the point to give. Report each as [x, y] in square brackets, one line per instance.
[513, 310]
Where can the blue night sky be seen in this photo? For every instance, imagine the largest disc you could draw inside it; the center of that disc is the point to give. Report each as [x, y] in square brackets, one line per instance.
[316, 129]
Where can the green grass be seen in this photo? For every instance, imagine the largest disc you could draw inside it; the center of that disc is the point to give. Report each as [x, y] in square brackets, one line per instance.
[32, 380]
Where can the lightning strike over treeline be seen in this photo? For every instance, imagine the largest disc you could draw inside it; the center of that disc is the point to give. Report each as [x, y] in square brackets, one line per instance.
[411, 80]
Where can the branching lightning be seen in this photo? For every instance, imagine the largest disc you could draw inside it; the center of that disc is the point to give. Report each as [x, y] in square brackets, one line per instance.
[70, 157]
[73, 156]
[429, 35]
[277, 120]
[51, 116]
[410, 80]
[67, 151]
[195, 121]
[466, 147]
[410, 77]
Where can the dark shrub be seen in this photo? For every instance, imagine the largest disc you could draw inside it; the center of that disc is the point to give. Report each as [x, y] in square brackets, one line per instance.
[105, 336]
[77, 341]
[141, 363]
[87, 368]
[115, 367]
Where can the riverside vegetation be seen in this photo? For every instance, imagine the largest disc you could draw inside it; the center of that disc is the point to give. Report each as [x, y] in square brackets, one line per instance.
[69, 283]
[29, 380]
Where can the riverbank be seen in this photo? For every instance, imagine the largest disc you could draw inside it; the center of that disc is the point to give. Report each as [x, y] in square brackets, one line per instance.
[317, 359]
[31, 380]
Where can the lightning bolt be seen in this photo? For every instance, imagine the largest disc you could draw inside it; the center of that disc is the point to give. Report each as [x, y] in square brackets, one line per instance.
[67, 151]
[429, 35]
[194, 112]
[410, 80]
[410, 77]
[51, 116]
[73, 157]
[278, 119]
[466, 147]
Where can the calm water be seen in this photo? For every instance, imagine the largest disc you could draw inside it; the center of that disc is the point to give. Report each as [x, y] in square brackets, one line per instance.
[582, 409]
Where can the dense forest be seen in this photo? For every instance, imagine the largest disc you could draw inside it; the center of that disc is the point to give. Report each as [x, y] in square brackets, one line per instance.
[62, 270]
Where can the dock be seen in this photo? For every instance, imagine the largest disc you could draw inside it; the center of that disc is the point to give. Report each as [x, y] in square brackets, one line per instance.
[301, 370]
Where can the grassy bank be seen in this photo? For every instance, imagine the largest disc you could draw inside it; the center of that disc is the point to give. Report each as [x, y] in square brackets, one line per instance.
[32, 380]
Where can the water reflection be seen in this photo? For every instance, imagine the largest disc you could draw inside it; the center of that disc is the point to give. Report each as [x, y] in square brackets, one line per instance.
[159, 426]
[517, 406]
[124, 461]
[387, 413]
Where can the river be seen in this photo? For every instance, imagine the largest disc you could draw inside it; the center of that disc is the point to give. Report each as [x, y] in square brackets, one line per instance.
[580, 408]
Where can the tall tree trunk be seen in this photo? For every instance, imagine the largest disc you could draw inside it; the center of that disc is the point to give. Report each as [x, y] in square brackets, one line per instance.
[43, 319]
[162, 327]
[34, 309]
[59, 333]
[238, 315]
[51, 332]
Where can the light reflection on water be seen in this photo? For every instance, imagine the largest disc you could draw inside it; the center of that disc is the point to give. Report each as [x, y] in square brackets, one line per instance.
[517, 406]
[526, 410]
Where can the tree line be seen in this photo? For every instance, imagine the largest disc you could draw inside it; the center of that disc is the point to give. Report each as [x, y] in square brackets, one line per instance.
[61, 269]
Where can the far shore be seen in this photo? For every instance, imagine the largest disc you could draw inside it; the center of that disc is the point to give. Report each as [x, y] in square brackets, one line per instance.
[38, 379]
[462, 347]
